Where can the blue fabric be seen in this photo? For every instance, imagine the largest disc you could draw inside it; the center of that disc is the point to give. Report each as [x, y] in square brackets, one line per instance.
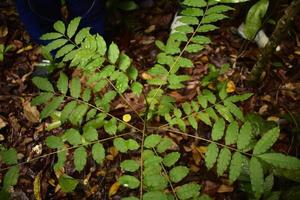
[38, 16]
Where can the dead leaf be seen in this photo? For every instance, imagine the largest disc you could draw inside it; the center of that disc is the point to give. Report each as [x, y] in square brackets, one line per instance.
[230, 87]
[37, 186]
[2, 123]
[225, 189]
[146, 76]
[31, 113]
[113, 189]
[3, 31]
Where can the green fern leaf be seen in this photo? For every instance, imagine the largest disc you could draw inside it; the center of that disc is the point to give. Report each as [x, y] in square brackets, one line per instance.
[204, 117]
[201, 39]
[206, 28]
[51, 107]
[209, 96]
[187, 108]
[218, 129]
[245, 136]
[153, 195]
[75, 87]
[11, 177]
[152, 140]
[211, 155]
[212, 114]
[87, 95]
[61, 159]
[267, 141]
[124, 62]
[193, 12]
[44, 97]
[129, 181]
[110, 126]
[194, 3]
[218, 9]
[101, 45]
[77, 115]
[62, 83]
[90, 134]
[72, 27]
[80, 157]
[213, 18]
[120, 145]
[189, 20]
[223, 161]
[235, 166]
[54, 142]
[43, 84]
[178, 173]
[113, 53]
[236, 111]
[184, 62]
[256, 176]
[68, 109]
[194, 48]
[81, 35]
[237, 98]
[130, 165]
[122, 83]
[67, 183]
[164, 144]
[224, 111]
[137, 88]
[9, 156]
[189, 190]
[98, 153]
[171, 158]
[55, 44]
[51, 36]
[70, 56]
[73, 136]
[193, 122]
[59, 26]
[232, 133]
[280, 160]
[185, 29]
[64, 50]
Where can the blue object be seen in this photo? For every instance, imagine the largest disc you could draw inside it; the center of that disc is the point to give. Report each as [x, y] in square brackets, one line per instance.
[38, 16]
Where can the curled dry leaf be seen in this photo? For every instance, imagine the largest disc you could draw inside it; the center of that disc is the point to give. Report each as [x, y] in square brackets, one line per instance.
[2, 123]
[230, 87]
[113, 189]
[225, 188]
[31, 113]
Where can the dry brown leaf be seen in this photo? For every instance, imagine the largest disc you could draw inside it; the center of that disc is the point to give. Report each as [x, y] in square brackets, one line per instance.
[37, 186]
[31, 113]
[230, 87]
[114, 189]
[225, 188]
[2, 123]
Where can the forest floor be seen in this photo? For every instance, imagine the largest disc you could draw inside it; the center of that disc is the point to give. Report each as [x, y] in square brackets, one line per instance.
[277, 98]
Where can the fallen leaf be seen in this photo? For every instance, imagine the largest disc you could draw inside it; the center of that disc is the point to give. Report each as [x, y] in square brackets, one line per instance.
[114, 189]
[31, 113]
[37, 186]
[230, 87]
[225, 189]
[2, 123]
[146, 76]
[273, 118]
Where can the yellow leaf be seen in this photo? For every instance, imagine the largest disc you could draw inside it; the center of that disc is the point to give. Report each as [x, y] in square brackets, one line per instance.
[113, 189]
[37, 186]
[273, 118]
[230, 87]
[146, 76]
[126, 118]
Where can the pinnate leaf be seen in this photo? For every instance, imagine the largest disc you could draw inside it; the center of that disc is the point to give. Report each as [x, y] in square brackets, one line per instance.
[223, 161]
[256, 176]
[245, 136]
[152, 140]
[98, 152]
[72, 27]
[281, 161]
[62, 83]
[171, 158]
[75, 87]
[232, 133]
[67, 183]
[80, 157]
[43, 84]
[51, 107]
[211, 155]
[188, 191]
[178, 173]
[59, 26]
[235, 166]
[218, 129]
[130, 165]
[113, 53]
[266, 142]
[129, 181]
